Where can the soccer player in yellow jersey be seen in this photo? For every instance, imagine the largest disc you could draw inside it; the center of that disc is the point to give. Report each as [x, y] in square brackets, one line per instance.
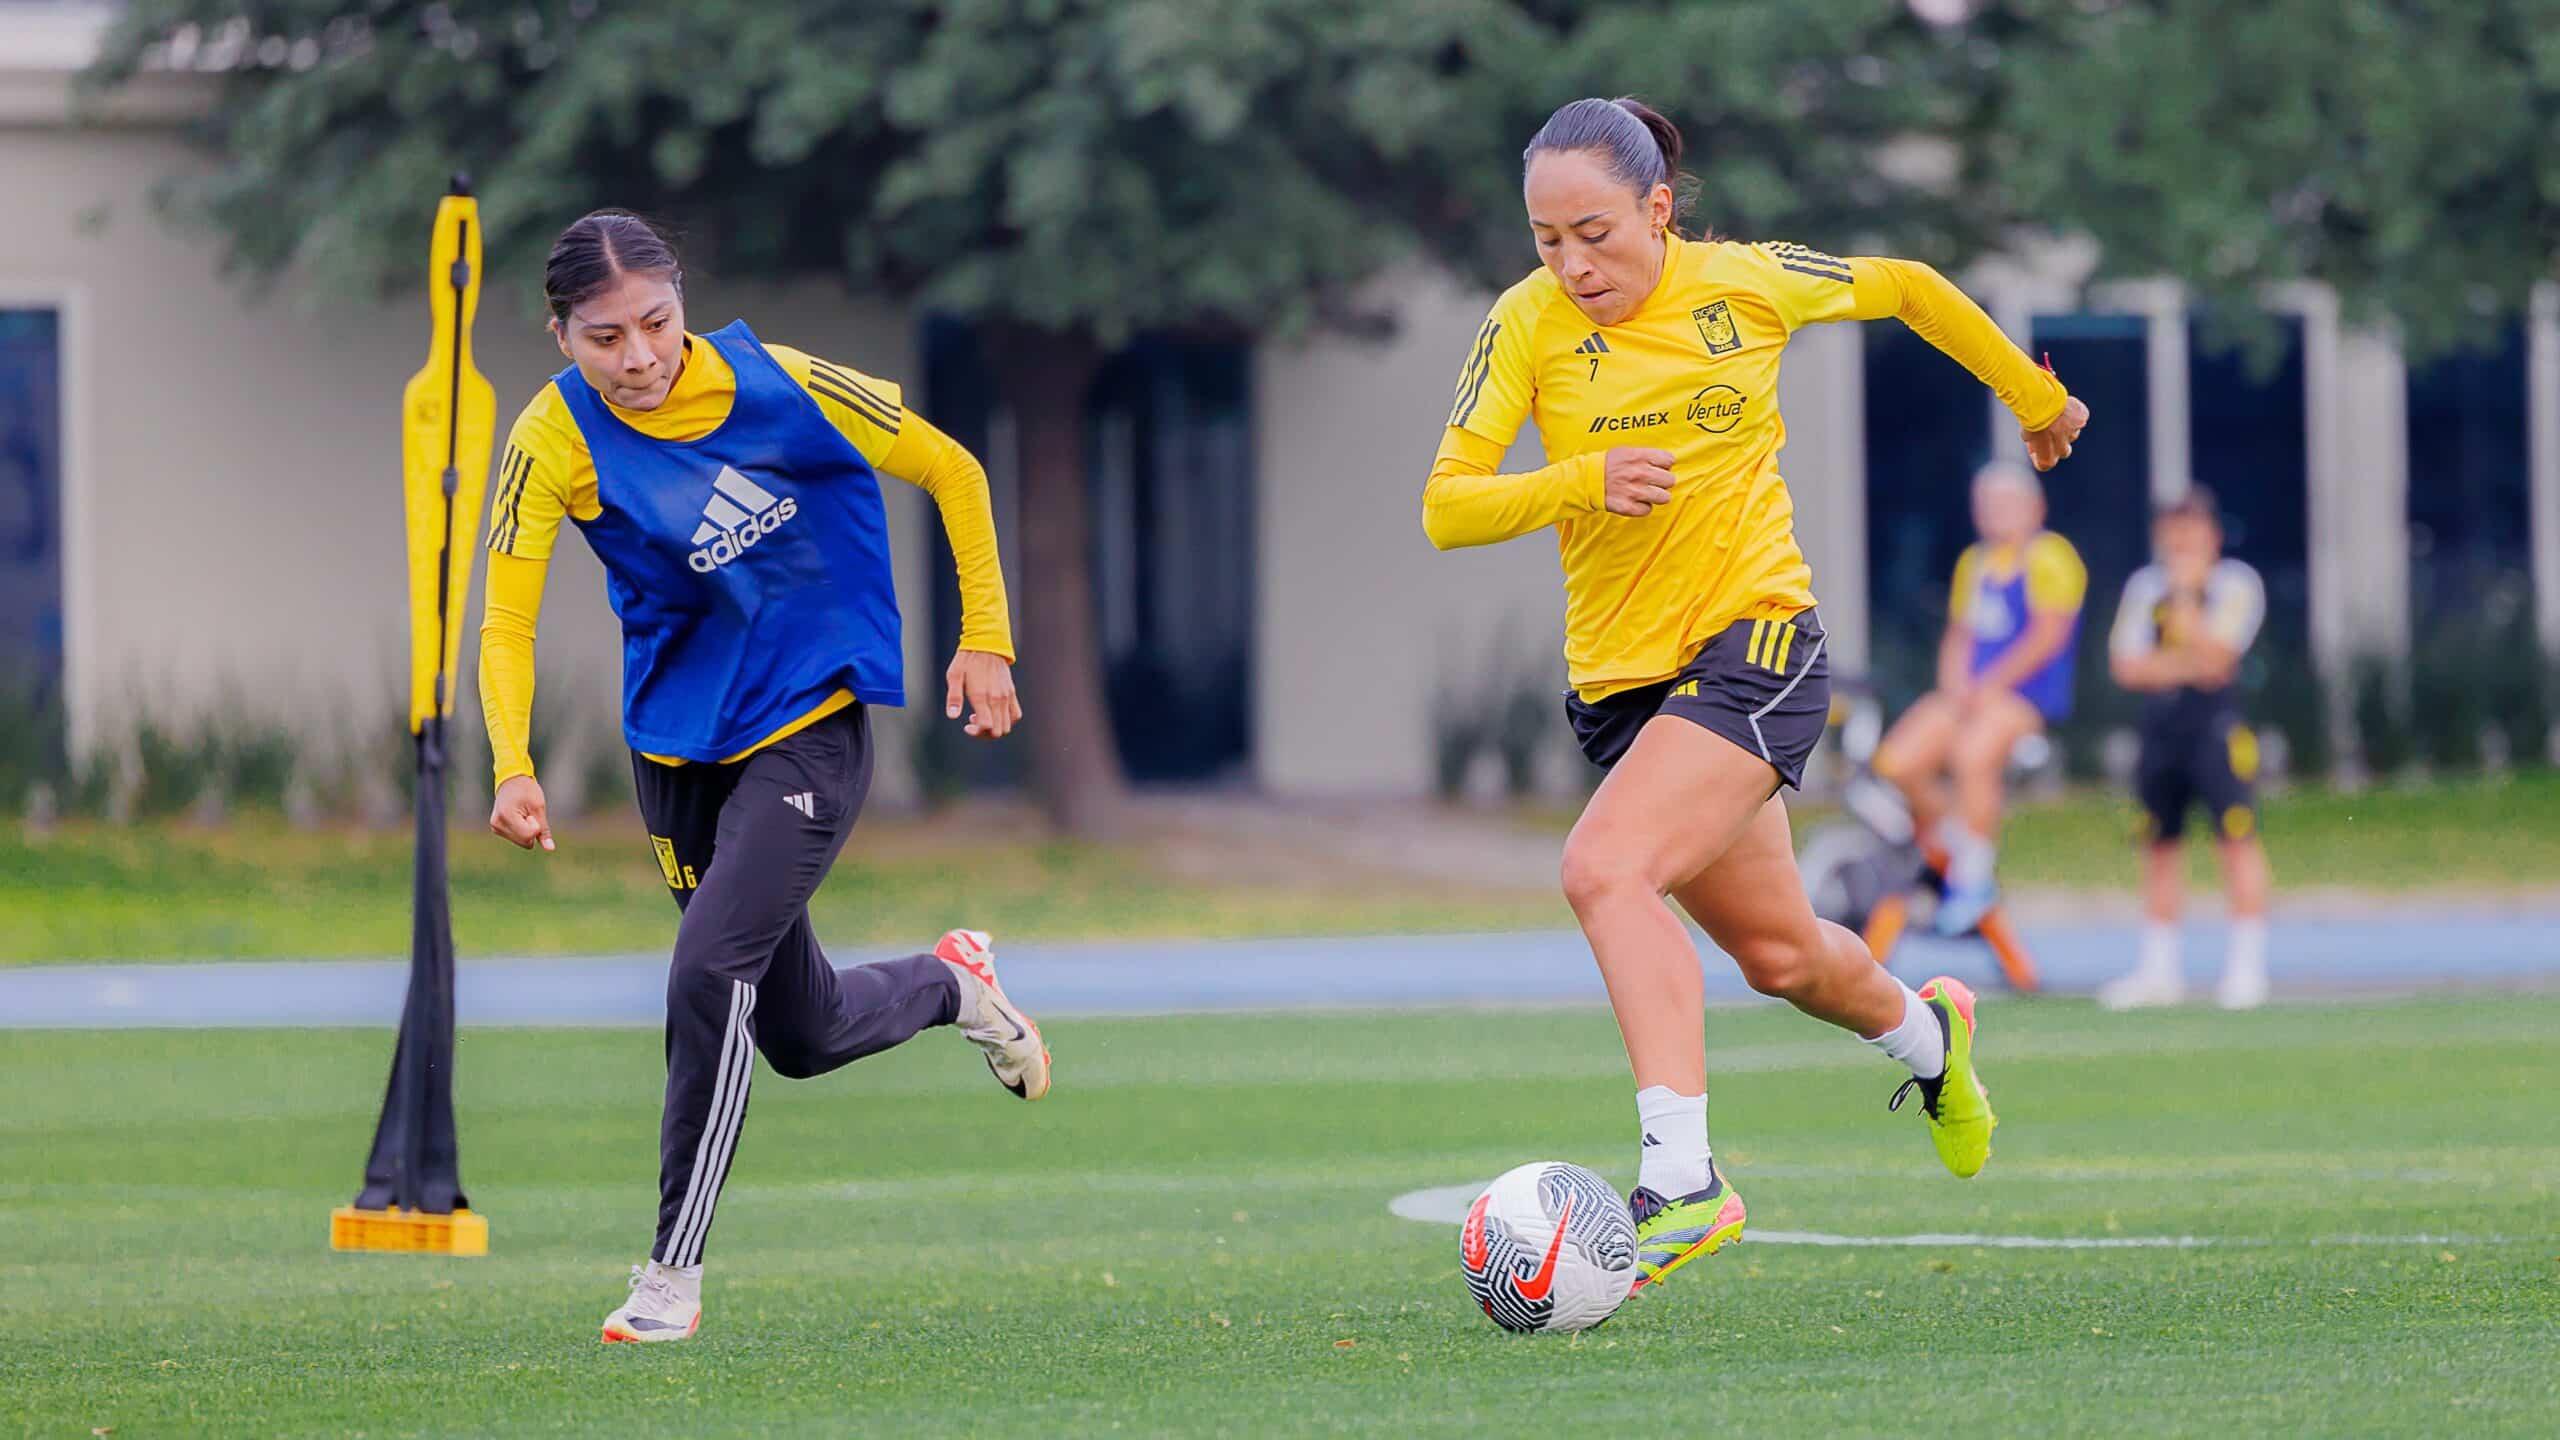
[730, 489]
[2004, 673]
[1649, 363]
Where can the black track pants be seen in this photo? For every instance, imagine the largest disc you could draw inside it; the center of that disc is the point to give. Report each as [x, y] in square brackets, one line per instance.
[743, 846]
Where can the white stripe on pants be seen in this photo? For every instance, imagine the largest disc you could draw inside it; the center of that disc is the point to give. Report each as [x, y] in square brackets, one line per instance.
[719, 1131]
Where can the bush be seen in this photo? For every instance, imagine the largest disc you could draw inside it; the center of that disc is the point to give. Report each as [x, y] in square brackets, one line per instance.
[2290, 699]
[2383, 736]
[33, 746]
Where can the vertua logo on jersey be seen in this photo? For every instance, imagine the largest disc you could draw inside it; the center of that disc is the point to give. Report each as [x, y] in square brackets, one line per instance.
[1716, 409]
[739, 513]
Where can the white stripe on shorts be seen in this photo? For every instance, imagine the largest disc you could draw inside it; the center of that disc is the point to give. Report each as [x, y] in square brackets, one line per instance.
[1780, 697]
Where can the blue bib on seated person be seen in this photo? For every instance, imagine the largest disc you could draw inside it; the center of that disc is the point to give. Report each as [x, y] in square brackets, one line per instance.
[2000, 613]
[750, 568]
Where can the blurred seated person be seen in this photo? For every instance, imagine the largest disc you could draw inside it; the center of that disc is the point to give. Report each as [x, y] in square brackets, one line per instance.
[2004, 673]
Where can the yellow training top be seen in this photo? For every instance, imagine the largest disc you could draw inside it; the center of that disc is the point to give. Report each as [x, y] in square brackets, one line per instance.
[1693, 371]
[548, 476]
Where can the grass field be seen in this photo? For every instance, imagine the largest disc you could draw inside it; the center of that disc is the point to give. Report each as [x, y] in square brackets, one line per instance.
[1192, 1236]
[260, 889]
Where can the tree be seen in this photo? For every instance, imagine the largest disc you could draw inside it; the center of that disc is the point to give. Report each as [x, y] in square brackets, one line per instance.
[2405, 151]
[1068, 172]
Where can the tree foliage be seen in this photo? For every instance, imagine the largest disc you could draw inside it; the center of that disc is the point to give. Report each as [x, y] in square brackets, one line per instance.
[1117, 165]
[2402, 150]
[1103, 165]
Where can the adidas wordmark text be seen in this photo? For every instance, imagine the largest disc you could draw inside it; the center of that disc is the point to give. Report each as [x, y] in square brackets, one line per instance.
[739, 514]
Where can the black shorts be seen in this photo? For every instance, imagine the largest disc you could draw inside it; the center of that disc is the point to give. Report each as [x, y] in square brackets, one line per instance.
[1765, 685]
[2213, 763]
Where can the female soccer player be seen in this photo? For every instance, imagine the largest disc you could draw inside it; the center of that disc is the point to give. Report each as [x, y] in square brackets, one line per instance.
[729, 488]
[1650, 363]
[2004, 673]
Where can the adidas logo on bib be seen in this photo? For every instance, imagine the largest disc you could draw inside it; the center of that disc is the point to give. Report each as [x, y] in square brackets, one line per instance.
[739, 514]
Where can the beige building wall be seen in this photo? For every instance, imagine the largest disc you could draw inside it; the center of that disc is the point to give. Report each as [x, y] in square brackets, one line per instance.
[232, 507]
[1366, 632]
[1363, 628]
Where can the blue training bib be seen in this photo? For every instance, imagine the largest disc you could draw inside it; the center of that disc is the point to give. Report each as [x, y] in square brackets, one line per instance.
[750, 568]
[2000, 613]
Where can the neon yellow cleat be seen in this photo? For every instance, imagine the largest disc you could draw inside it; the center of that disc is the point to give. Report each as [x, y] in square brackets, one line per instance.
[1671, 1233]
[1959, 1109]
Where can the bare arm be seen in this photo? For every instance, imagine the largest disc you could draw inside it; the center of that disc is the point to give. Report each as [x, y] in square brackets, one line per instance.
[1955, 658]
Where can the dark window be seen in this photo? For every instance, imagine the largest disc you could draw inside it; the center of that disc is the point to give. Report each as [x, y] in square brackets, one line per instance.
[2470, 495]
[2100, 498]
[1169, 459]
[31, 535]
[2249, 442]
[1928, 430]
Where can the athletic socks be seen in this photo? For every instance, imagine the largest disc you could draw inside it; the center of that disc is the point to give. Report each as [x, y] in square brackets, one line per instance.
[2244, 965]
[2157, 959]
[2247, 955]
[1971, 859]
[1918, 1041]
[1675, 1155]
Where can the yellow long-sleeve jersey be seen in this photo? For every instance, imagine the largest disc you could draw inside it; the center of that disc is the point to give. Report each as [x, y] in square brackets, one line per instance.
[548, 476]
[1693, 371]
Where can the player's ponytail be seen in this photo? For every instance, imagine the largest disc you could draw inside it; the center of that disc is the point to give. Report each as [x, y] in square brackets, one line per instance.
[598, 247]
[1640, 145]
[1666, 136]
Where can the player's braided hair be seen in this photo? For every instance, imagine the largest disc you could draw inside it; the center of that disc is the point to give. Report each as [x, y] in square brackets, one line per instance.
[1640, 144]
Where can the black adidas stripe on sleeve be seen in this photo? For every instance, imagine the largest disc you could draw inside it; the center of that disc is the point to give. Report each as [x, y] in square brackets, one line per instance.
[512, 474]
[843, 388]
[1471, 379]
[1805, 260]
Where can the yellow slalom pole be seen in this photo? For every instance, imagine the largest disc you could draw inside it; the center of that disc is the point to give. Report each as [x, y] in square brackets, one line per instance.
[449, 417]
[412, 1199]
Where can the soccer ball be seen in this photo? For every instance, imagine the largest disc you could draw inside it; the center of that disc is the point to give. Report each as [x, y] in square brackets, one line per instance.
[1548, 1246]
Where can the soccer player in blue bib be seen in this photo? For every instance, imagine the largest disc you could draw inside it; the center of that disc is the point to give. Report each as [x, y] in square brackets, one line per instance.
[2004, 673]
[731, 489]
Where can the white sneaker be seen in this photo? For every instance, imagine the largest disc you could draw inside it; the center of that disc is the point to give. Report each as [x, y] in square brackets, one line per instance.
[665, 1304]
[2243, 987]
[1014, 1049]
[2141, 990]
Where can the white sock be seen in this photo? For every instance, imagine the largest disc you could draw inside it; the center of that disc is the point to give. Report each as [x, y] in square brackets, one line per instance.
[1675, 1155]
[2247, 952]
[1917, 1041]
[1971, 860]
[2157, 959]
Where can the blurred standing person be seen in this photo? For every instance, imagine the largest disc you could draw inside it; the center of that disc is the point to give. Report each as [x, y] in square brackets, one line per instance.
[2186, 621]
[730, 489]
[1649, 362]
[2004, 673]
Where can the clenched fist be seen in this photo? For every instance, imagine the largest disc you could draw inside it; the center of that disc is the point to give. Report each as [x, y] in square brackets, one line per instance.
[1638, 479]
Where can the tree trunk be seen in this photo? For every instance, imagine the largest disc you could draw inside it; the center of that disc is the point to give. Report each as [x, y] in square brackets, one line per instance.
[1044, 377]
